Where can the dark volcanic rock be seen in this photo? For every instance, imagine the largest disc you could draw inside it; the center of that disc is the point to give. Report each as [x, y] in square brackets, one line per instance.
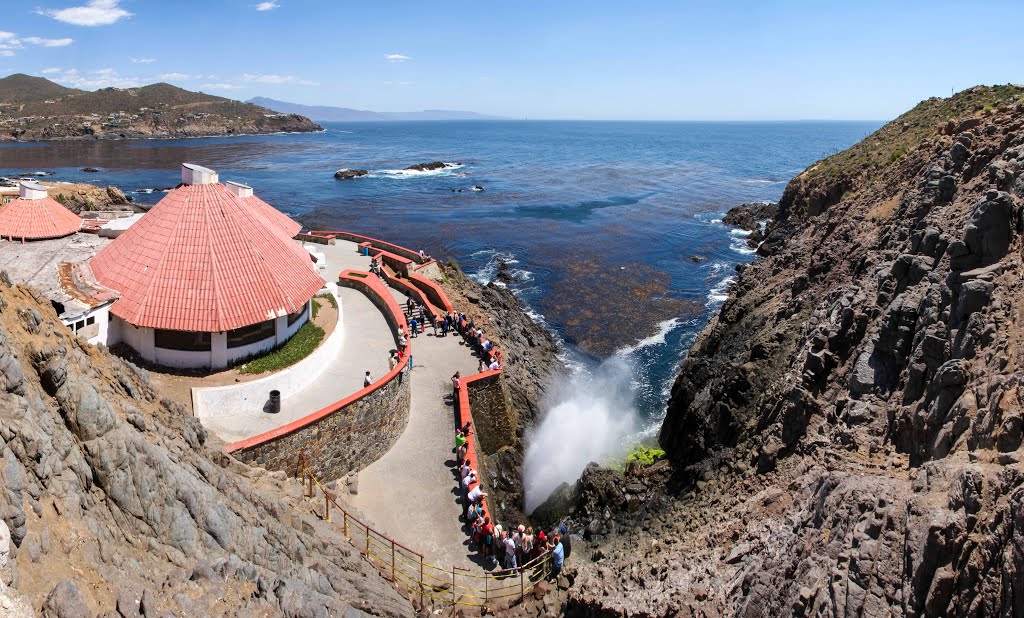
[347, 174]
[427, 167]
[846, 434]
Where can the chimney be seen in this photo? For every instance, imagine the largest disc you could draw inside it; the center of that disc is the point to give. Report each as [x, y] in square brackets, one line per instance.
[31, 191]
[192, 174]
[238, 189]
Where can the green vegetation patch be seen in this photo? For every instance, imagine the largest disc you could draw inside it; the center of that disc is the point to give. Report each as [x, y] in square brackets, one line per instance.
[904, 135]
[638, 453]
[645, 455]
[301, 345]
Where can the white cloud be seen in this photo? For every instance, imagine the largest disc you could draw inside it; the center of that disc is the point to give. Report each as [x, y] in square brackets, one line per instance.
[175, 76]
[221, 86]
[266, 6]
[397, 57]
[34, 40]
[93, 13]
[278, 79]
[50, 71]
[142, 60]
[9, 42]
[97, 78]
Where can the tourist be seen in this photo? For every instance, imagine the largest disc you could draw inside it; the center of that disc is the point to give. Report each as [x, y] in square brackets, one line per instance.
[494, 366]
[460, 439]
[510, 554]
[403, 341]
[412, 327]
[499, 545]
[488, 538]
[436, 324]
[367, 380]
[541, 543]
[528, 545]
[409, 305]
[557, 557]
[456, 384]
[481, 366]
[476, 494]
[486, 345]
[423, 256]
[466, 468]
[566, 540]
[392, 361]
[466, 428]
[497, 354]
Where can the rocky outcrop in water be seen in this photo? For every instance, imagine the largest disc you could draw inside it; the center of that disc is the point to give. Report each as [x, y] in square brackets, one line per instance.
[845, 435]
[428, 167]
[118, 503]
[349, 174]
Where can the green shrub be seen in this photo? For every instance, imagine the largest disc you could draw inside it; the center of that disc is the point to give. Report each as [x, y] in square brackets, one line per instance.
[645, 455]
[301, 345]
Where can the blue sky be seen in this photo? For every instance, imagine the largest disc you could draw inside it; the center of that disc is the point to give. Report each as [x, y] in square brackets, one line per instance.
[553, 59]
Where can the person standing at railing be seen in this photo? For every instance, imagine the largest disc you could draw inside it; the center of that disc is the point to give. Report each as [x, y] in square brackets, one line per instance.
[510, 554]
[557, 557]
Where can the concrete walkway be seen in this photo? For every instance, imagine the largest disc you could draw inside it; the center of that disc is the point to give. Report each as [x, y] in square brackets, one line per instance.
[367, 341]
[409, 493]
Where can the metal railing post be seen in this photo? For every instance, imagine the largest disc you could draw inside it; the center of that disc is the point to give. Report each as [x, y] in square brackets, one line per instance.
[522, 584]
[422, 584]
[327, 507]
[453, 585]
[345, 524]
[392, 560]
[486, 578]
[367, 531]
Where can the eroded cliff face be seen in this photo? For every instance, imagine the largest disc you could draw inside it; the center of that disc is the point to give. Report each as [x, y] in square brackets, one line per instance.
[118, 503]
[845, 435]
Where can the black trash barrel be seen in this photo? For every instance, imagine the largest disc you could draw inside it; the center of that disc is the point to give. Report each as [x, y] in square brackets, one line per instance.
[274, 404]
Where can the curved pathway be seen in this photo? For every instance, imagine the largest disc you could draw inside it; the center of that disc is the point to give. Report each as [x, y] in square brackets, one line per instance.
[409, 493]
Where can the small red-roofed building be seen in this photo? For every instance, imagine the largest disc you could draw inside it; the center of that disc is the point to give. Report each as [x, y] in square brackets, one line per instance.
[207, 277]
[34, 215]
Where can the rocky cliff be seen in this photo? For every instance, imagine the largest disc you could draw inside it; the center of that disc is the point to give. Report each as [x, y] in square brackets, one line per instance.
[115, 502]
[845, 436]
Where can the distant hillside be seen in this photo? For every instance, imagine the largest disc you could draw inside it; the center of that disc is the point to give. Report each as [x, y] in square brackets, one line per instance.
[34, 108]
[324, 112]
[21, 88]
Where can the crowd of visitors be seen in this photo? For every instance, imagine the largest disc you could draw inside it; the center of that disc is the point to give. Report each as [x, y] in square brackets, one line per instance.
[512, 548]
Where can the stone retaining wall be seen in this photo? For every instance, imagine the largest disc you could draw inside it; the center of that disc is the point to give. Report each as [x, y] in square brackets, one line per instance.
[349, 434]
[494, 419]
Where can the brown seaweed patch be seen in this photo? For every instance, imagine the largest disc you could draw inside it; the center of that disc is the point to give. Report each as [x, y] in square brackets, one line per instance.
[606, 307]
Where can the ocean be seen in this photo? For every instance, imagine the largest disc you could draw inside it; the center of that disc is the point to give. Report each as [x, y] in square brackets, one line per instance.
[610, 232]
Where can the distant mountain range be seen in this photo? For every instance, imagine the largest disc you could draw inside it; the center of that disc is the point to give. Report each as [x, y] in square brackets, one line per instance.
[328, 113]
[34, 108]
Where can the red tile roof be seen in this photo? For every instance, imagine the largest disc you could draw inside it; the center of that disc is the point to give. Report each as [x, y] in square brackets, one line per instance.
[200, 261]
[26, 219]
[286, 224]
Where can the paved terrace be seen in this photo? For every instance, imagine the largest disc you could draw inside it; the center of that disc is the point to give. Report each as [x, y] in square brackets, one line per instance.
[409, 493]
[366, 345]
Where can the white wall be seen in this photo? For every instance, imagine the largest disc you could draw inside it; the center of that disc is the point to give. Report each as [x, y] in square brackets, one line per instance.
[248, 397]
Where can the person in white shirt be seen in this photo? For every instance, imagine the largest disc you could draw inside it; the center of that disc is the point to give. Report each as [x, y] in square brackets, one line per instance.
[476, 494]
[494, 365]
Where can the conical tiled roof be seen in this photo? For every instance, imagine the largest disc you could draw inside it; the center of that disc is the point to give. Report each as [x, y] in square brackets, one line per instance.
[36, 217]
[283, 222]
[201, 260]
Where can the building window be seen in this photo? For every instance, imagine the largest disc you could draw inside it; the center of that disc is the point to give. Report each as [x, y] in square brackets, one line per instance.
[90, 320]
[182, 340]
[294, 317]
[79, 325]
[251, 334]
